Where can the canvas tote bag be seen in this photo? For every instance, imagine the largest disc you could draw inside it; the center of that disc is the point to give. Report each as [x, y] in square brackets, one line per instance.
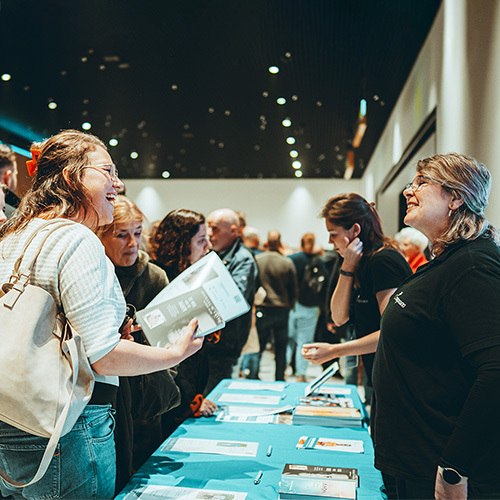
[45, 377]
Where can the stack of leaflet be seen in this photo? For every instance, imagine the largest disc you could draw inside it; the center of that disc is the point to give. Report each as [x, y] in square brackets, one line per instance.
[327, 411]
[314, 482]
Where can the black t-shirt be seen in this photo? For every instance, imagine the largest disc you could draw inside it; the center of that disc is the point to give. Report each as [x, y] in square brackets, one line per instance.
[382, 270]
[436, 335]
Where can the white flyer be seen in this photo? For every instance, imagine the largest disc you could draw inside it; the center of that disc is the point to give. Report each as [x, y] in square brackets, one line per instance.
[158, 492]
[210, 274]
[256, 385]
[214, 446]
[253, 399]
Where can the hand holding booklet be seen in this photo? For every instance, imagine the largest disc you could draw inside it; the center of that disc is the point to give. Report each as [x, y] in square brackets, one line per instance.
[205, 291]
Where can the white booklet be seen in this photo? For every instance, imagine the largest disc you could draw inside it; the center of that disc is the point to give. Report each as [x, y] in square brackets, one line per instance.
[216, 446]
[321, 379]
[159, 492]
[205, 291]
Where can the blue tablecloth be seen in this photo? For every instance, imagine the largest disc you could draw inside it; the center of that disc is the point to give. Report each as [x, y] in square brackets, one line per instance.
[230, 473]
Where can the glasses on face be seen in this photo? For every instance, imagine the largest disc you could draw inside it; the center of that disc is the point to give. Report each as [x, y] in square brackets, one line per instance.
[108, 169]
[417, 183]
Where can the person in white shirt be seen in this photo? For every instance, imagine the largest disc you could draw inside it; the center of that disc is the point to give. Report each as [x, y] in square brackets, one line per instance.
[75, 179]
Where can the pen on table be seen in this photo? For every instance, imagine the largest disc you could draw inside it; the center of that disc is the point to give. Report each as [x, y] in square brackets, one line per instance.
[258, 477]
[284, 396]
[269, 451]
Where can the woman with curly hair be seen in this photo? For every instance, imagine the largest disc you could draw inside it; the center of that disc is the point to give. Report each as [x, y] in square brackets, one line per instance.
[179, 241]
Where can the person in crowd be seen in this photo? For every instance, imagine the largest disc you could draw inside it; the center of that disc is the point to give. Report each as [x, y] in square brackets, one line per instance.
[179, 241]
[250, 237]
[223, 231]
[279, 279]
[75, 180]
[3, 191]
[8, 176]
[303, 317]
[141, 399]
[413, 243]
[371, 270]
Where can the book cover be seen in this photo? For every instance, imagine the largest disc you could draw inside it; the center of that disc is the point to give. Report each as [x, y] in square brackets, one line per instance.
[320, 472]
[163, 323]
[316, 488]
[325, 401]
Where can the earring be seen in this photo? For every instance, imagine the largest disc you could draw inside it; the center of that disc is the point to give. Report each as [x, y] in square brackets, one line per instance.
[451, 209]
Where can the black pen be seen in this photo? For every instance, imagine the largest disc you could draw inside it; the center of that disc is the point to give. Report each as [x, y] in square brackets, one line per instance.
[269, 451]
[258, 477]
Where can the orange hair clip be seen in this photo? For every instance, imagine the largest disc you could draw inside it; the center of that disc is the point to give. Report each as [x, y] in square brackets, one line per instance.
[33, 164]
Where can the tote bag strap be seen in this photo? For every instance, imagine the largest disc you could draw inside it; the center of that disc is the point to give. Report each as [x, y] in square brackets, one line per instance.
[54, 439]
[70, 348]
[20, 279]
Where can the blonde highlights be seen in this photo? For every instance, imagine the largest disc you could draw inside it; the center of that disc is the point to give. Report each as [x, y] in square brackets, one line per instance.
[468, 180]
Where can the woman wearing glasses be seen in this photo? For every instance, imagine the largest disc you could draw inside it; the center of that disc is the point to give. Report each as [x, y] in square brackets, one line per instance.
[437, 367]
[75, 180]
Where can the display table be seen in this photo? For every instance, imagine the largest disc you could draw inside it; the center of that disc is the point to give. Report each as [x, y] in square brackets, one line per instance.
[233, 473]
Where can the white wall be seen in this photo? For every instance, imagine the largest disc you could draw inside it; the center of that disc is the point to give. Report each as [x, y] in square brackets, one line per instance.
[457, 71]
[290, 206]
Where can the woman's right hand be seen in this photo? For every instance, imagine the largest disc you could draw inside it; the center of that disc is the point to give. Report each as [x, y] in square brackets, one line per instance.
[319, 352]
[186, 345]
[352, 255]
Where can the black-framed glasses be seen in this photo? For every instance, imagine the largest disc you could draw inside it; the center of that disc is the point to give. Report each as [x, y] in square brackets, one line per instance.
[417, 183]
[109, 169]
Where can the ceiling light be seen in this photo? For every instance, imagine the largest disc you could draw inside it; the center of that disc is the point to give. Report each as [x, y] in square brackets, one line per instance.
[6, 77]
[290, 140]
[294, 153]
[113, 142]
[174, 87]
[274, 69]
[211, 110]
[298, 173]
[265, 94]
[288, 54]
[349, 165]
[281, 100]
[52, 105]
[296, 164]
[134, 155]
[165, 174]
[295, 97]
[287, 122]
[362, 107]
[86, 126]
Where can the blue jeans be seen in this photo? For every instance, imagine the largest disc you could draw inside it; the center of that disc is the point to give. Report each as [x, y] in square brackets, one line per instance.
[83, 465]
[301, 327]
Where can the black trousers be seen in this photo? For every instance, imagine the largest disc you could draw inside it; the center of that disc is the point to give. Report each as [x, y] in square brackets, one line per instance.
[273, 321]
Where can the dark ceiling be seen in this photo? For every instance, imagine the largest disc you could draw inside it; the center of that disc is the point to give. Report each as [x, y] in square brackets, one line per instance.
[185, 84]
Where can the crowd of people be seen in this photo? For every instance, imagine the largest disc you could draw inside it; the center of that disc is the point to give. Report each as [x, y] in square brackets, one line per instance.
[420, 308]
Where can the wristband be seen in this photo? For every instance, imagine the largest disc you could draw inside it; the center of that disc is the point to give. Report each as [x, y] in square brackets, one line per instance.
[347, 273]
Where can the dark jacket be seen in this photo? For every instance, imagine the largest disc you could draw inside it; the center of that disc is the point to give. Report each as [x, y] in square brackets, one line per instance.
[240, 263]
[141, 399]
[278, 277]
